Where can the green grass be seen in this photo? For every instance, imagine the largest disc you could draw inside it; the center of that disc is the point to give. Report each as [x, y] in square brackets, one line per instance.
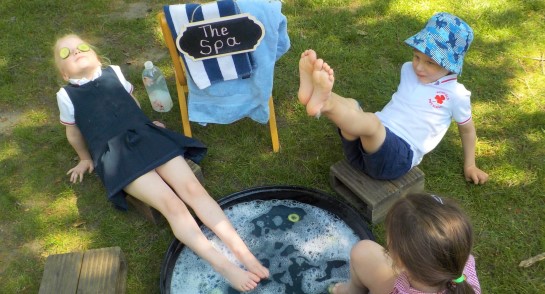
[41, 213]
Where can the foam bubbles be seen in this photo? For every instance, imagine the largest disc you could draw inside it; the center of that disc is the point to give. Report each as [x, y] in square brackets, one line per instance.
[305, 256]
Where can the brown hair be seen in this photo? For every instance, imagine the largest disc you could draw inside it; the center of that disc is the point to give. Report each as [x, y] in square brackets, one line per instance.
[431, 238]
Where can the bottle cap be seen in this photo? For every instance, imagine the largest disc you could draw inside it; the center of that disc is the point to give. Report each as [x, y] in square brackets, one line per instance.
[148, 65]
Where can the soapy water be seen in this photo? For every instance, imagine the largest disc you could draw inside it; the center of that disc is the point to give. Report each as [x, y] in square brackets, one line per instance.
[305, 248]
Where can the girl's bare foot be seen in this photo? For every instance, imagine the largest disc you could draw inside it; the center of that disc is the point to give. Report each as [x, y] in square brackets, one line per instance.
[306, 67]
[322, 80]
[339, 288]
[253, 265]
[238, 278]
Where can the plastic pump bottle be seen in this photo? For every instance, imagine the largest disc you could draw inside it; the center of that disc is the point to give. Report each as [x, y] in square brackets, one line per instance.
[156, 86]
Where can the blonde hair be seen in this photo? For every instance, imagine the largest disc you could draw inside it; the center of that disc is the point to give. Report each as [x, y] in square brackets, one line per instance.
[56, 49]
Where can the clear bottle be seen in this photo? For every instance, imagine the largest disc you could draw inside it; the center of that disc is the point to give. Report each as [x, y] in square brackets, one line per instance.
[156, 86]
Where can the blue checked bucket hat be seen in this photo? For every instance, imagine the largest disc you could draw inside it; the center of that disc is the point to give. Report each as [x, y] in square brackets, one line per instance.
[445, 39]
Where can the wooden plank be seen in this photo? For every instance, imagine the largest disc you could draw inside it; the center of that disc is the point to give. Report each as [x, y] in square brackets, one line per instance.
[103, 271]
[61, 273]
[372, 191]
[353, 199]
[413, 179]
[373, 198]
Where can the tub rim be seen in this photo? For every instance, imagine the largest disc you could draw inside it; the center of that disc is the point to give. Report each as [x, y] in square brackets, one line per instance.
[306, 195]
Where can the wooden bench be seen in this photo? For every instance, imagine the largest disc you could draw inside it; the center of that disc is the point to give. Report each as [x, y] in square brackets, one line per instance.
[151, 213]
[101, 271]
[372, 198]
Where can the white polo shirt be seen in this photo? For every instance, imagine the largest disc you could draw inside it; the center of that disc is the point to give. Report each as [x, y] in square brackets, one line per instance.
[421, 113]
[66, 108]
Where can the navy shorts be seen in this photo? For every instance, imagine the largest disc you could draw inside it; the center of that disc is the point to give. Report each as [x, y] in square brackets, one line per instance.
[392, 160]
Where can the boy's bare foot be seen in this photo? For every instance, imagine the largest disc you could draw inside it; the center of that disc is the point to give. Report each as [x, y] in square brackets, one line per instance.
[306, 67]
[238, 278]
[322, 80]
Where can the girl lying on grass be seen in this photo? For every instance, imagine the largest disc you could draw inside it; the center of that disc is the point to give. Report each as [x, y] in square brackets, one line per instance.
[131, 154]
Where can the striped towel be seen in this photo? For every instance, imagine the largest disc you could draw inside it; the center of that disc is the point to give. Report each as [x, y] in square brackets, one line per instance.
[207, 72]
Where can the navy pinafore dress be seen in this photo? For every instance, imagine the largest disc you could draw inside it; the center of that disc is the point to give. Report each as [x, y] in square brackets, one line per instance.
[123, 142]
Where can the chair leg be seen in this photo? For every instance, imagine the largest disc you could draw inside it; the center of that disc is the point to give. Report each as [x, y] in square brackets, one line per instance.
[183, 109]
[272, 124]
[179, 72]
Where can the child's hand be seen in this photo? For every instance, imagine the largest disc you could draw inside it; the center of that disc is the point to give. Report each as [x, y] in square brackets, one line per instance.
[476, 175]
[78, 171]
[159, 124]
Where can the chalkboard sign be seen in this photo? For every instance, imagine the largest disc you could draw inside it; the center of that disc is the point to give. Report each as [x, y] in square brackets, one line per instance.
[220, 36]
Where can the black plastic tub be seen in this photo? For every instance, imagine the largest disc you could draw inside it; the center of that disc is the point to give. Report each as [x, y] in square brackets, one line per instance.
[304, 195]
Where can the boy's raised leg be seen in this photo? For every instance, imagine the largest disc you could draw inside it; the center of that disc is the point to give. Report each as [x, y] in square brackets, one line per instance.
[306, 67]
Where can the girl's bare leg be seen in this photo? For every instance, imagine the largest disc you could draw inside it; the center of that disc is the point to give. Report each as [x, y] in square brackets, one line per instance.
[371, 270]
[344, 112]
[179, 176]
[152, 190]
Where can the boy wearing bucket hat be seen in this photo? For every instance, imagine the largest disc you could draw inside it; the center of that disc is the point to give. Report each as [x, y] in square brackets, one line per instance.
[388, 143]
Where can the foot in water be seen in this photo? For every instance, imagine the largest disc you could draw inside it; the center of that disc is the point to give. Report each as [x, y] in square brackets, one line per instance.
[253, 265]
[339, 288]
[238, 278]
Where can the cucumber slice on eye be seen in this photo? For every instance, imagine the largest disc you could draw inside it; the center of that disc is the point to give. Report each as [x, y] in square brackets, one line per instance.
[64, 53]
[83, 47]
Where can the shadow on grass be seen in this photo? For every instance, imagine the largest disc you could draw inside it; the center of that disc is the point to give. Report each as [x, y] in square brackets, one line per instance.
[365, 47]
[42, 214]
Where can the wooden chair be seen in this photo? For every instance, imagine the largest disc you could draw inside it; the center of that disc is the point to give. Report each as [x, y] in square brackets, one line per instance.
[182, 89]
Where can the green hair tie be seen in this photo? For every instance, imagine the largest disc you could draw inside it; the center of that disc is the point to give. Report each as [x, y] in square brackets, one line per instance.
[460, 279]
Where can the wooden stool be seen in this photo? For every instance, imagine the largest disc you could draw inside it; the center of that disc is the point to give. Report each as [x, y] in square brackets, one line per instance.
[372, 198]
[151, 213]
[101, 271]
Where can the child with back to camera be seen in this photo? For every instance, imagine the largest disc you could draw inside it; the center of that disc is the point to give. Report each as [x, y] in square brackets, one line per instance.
[112, 136]
[387, 144]
[428, 250]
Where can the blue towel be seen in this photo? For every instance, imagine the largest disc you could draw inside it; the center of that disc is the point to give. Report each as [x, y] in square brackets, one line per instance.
[214, 70]
[229, 101]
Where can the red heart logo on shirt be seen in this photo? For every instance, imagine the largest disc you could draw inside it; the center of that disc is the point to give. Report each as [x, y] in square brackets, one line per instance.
[440, 98]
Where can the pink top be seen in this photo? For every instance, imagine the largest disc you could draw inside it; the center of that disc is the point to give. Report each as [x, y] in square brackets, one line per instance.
[402, 286]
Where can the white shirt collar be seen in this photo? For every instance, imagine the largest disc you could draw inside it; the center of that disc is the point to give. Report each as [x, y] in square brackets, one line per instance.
[84, 81]
[445, 79]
